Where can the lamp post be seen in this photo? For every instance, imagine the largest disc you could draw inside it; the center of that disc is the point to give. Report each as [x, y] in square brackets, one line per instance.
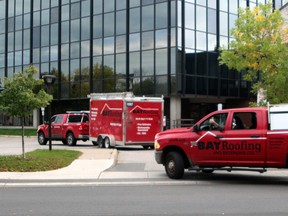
[49, 80]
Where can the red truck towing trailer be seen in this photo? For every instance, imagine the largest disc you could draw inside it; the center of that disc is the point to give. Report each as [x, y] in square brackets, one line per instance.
[250, 139]
[119, 119]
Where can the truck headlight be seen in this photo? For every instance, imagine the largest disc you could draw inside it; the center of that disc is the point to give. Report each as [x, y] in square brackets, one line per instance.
[156, 145]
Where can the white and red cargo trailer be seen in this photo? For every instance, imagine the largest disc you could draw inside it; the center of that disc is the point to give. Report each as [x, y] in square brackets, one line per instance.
[120, 119]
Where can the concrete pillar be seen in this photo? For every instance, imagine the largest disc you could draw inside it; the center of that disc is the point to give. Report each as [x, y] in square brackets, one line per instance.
[175, 110]
[35, 118]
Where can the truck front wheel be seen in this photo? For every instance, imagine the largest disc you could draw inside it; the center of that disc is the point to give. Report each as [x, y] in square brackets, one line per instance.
[174, 165]
[41, 138]
[71, 141]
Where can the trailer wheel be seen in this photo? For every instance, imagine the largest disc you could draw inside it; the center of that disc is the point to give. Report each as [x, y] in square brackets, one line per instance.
[100, 142]
[107, 142]
[71, 141]
[174, 165]
[41, 138]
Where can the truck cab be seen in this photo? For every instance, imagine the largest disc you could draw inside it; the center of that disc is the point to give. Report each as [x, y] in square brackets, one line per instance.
[231, 139]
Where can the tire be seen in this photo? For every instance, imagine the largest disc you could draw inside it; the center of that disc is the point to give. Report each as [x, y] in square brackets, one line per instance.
[71, 141]
[41, 138]
[100, 142]
[174, 165]
[107, 143]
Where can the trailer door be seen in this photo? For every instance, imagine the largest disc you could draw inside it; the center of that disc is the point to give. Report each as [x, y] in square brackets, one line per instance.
[143, 121]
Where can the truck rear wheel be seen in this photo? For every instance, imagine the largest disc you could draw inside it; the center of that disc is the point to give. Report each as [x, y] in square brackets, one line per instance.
[41, 138]
[71, 141]
[174, 165]
[107, 142]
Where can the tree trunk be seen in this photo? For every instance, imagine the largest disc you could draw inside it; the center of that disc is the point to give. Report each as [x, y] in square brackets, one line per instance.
[23, 150]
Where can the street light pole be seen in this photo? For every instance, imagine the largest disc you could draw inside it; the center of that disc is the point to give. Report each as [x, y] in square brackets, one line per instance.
[49, 80]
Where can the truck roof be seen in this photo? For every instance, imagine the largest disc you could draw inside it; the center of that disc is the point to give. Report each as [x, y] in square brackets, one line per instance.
[244, 109]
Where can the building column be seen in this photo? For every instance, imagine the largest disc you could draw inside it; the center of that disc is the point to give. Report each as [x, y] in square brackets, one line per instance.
[35, 118]
[175, 110]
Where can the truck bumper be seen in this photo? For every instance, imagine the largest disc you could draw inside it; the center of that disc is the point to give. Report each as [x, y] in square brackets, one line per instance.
[158, 157]
[83, 137]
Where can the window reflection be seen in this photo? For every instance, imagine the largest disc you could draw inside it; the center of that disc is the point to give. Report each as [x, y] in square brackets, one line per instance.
[75, 50]
[161, 38]
[85, 8]
[44, 36]
[97, 47]
[75, 10]
[134, 42]
[120, 22]
[85, 48]
[85, 28]
[18, 40]
[190, 39]
[97, 6]
[36, 37]
[134, 20]
[148, 18]
[65, 32]
[201, 41]
[161, 15]
[147, 40]
[54, 34]
[65, 51]
[44, 54]
[200, 18]
[161, 60]
[65, 13]
[10, 41]
[108, 24]
[26, 57]
[161, 85]
[45, 16]
[97, 26]
[189, 16]
[54, 15]
[134, 64]
[212, 18]
[147, 63]
[223, 24]
[108, 45]
[53, 53]
[75, 30]
[121, 44]
[108, 5]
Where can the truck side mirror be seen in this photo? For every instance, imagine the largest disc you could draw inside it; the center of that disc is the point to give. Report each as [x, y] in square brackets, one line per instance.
[195, 128]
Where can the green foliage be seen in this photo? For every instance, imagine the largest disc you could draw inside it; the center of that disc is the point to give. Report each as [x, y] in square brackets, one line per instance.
[258, 48]
[38, 160]
[22, 94]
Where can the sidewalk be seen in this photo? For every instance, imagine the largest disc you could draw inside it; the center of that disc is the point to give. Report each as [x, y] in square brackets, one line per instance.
[89, 165]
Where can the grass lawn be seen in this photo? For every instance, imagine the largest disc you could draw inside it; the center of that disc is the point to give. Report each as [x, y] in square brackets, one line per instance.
[18, 131]
[38, 160]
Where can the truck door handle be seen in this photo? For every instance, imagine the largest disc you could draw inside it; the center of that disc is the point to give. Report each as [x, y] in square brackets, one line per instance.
[218, 136]
[255, 136]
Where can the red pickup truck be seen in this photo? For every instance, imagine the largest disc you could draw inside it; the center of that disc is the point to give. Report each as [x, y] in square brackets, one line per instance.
[231, 139]
[68, 128]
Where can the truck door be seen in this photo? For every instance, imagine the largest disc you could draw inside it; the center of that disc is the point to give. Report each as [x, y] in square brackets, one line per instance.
[56, 127]
[206, 142]
[244, 142]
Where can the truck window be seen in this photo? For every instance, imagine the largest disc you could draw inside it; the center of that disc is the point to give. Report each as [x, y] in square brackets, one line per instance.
[220, 120]
[244, 120]
[74, 118]
[85, 118]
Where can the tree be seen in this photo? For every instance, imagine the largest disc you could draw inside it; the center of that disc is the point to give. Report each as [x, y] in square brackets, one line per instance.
[259, 52]
[22, 94]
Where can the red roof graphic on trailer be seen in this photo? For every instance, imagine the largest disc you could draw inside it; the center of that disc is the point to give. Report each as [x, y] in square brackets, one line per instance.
[108, 111]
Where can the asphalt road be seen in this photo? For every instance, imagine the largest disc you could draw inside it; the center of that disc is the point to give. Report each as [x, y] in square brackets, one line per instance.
[198, 199]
